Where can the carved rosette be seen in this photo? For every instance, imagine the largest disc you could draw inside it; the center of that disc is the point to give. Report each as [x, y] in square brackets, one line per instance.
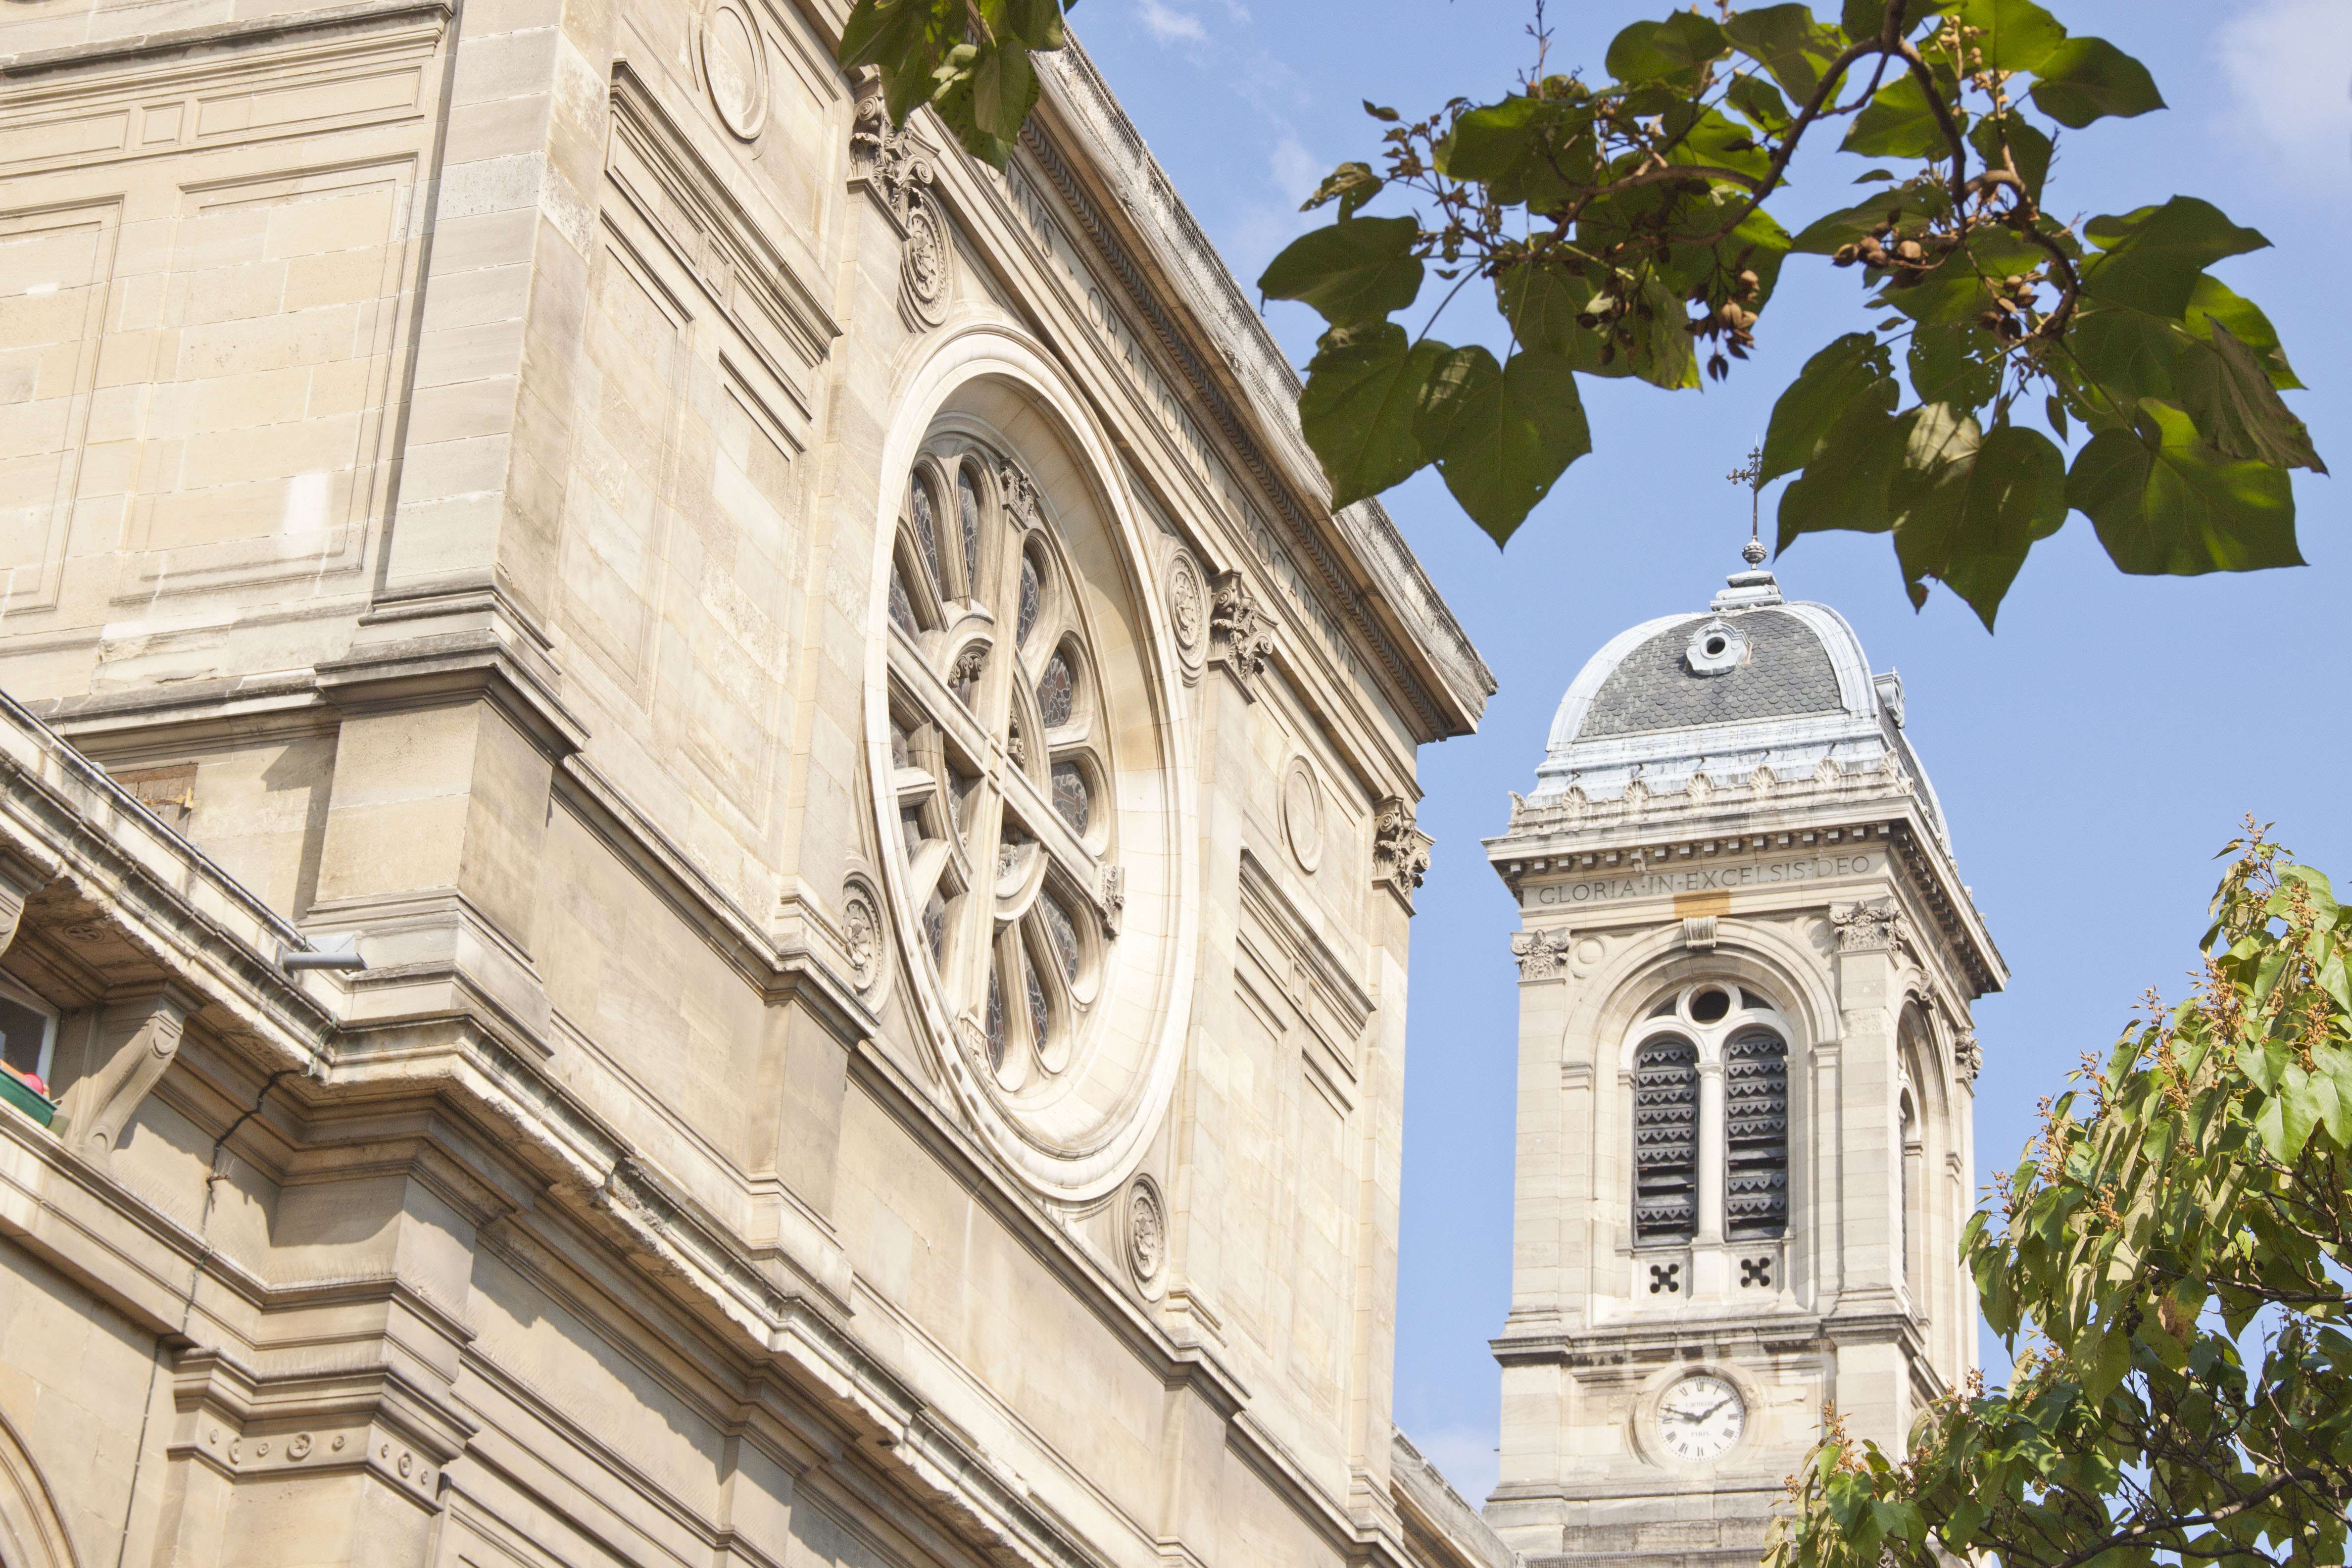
[892, 166]
[1241, 634]
[1968, 1057]
[1542, 954]
[1400, 850]
[1875, 927]
[861, 933]
[1147, 1233]
[1188, 610]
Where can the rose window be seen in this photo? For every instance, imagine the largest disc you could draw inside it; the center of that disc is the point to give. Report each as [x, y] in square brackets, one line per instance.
[1002, 765]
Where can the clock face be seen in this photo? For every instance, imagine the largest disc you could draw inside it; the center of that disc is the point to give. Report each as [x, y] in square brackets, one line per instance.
[1700, 1418]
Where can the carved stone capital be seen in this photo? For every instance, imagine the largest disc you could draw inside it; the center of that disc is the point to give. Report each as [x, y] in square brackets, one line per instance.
[1968, 1057]
[1400, 850]
[1542, 954]
[1872, 926]
[130, 1050]
[1241, 634]
[890, 164]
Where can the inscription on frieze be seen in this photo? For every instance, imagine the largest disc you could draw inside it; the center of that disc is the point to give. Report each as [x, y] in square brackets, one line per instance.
[1634, 883]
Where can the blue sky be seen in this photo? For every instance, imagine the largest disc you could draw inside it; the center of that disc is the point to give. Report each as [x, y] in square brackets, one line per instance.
[2091, 756]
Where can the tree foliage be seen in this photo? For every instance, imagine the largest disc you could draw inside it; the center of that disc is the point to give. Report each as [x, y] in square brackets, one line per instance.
[1627, 228]
[2175, 1252]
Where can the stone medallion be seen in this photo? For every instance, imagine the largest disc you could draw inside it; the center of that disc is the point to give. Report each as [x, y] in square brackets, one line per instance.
[1147, 1232]
[735, 68]
[1302, 815]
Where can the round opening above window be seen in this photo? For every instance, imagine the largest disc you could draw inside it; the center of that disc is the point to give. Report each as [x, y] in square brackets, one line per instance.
[1716, 647]
[1710, 1006]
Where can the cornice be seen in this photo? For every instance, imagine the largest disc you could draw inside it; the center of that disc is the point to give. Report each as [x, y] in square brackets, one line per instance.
[1190, 300]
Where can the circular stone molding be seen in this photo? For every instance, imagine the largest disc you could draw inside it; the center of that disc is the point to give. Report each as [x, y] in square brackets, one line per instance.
[861, 932]
[1302, 815]
[926, 271]
[1147, 1232]
[1188, 606]
[735, 68]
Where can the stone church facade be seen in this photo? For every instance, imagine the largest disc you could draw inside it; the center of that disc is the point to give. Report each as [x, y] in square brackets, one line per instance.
[706, 846]
[1746, 1085]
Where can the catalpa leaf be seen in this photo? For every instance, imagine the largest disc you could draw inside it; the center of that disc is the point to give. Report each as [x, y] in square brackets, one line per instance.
[1665, 51]
[2167, 503]
[2083, 79]
[1789, 43]
[1863, 18]
[2015, 35]
[1846, 485]
[1854, 371]
[1355, 270]
[1970, 508]
[1502, 435]
[1364, 389]
[2229, 393]
[2215, 303]
[1897, 123]
[2152, 258]
[2002, 140]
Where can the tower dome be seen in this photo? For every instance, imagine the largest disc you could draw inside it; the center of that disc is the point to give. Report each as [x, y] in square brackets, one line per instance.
[1754, 681]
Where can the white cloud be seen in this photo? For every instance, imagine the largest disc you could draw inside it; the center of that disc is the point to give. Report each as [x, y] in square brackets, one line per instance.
[1297, 172]
[1168, 25]
[1465, 1456]
[2289, 66]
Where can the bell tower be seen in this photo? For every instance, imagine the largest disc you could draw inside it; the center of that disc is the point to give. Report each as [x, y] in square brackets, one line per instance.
[1746, 1080]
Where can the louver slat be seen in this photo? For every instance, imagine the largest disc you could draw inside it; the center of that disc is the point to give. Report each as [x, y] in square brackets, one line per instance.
[1756, 1116]
[1666, 1140]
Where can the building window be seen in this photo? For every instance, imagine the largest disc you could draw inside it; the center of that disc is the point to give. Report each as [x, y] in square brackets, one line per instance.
[1001, 739]
[29, 1036]
[1756, 1136]
[1666, 1140]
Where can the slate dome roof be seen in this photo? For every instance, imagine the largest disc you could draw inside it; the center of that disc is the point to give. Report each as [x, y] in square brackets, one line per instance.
[1752, 681]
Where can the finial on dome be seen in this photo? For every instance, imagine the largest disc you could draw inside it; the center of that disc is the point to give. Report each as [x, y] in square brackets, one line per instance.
[1754, 586]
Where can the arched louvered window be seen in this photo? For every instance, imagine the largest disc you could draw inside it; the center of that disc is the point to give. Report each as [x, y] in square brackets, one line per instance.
[1756, 1136]
[1666, 1140]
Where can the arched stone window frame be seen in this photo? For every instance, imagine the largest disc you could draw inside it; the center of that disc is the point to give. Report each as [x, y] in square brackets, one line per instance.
[1755, 1006]
[1075, 1133]
[32, 1530]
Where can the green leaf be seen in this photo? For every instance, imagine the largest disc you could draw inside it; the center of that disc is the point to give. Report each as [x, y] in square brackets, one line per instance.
[1759, 102]
[1897, 123]
[2026, 146]
[1863, 18]
[1968, 509]
[1359, 269]
[1542, 305]
[1502, 437]
[2018, 34]
[1663, 51]
[1037, 22]
[1715, 139]
[2089, 79]
[1960, 364]
[2214, 302]
[2229, 393]
[1364, 389]
[1853, 371]
[1846, 484]
[2166, 503]
[1003, 89]
[1350, 184]
[2153, 257]
[1789, 43]
[1909, 203]
[1486, 140]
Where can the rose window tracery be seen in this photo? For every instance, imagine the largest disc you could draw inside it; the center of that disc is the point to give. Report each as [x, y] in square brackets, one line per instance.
[1001, 764]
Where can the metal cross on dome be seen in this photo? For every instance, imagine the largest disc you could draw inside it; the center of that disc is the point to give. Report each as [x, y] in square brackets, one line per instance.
[1751, 474]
